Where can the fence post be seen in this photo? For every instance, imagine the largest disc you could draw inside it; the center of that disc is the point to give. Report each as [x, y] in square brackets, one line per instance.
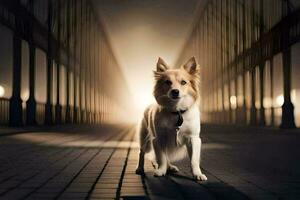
[48, 105]
[288, 119]
[15, 102]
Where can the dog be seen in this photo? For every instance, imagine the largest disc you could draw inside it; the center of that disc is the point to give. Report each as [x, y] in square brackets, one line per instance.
[171, 127]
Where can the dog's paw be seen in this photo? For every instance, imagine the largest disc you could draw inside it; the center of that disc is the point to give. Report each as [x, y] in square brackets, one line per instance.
[159, 172]
[173, 168]
[140, 171]
[200, 177]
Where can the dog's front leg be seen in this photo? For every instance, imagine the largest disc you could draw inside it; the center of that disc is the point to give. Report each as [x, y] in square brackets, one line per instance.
[161, 159]
[194, 151]
[140, 168]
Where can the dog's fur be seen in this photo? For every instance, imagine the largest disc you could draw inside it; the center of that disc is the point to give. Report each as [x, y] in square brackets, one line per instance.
[157, 130]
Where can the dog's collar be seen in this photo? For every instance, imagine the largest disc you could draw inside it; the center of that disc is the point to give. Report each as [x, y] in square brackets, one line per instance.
[179, 112]
[180, 118]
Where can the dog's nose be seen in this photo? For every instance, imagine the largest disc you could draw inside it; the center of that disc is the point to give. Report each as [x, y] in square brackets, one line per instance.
[175, 93]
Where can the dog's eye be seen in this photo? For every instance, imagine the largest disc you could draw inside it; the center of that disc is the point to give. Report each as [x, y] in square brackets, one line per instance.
[168, 82]
[183, 82]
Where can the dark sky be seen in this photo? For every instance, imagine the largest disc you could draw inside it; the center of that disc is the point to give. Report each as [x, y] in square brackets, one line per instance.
[142, 30]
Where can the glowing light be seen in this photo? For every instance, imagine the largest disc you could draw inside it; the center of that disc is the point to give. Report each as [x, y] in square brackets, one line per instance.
[267, 102]
[293, 95]
[142, 100]
[2, 91]
[25, 95]
[233, 102]
[279, 100]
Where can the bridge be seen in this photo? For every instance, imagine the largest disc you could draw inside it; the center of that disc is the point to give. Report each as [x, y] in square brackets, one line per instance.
[68, 111]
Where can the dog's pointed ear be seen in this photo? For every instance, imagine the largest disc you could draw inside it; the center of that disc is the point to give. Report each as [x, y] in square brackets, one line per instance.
[191, 66]
[157, 75]
[161, 65]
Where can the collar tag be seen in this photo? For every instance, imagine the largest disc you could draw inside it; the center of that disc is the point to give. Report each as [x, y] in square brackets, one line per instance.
[177, 140]
[179, 120]
[178, 126]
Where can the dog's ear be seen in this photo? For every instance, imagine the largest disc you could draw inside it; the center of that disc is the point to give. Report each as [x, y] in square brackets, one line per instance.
[191, 66]
[161, 65]
[157, 75]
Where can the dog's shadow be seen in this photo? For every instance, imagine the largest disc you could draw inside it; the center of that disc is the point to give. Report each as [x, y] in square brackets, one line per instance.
[184, 186]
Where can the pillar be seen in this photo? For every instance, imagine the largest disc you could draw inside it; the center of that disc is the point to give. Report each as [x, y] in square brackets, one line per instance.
[95, 72]
[92, 71]
[88, 71]
[288, 119]
[244, 108]
[58, 107]
[75, 70]
[272, 89]
[227, 17]
[15, 102]
[253, 69]
[85, 112]
[48, 105]
[101, 49]
[253, 86]
[68, 109]
[222, 64]
[237, 109]
[80, 75]
[31, 102]
[262, 118]
[98, 76]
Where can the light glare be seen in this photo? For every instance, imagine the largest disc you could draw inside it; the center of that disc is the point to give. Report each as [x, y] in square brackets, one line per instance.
[233, 102]
[2, 91]
[142, 100]
[279, 100]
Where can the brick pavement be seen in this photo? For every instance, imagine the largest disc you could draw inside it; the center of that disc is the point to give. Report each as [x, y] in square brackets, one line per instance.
[99, 163]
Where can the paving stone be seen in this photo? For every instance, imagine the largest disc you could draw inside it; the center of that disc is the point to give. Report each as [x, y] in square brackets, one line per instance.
[73, 195]
[104, 190]
[108, 186]
[105, 195]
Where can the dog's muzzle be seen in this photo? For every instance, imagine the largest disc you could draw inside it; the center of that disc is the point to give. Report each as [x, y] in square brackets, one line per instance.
[174, 94]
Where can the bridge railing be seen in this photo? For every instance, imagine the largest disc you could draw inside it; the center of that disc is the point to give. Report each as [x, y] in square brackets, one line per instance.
[246, 50]
[77, 52]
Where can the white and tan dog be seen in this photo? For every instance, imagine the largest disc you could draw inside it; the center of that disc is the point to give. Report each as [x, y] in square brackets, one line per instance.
[174, 122]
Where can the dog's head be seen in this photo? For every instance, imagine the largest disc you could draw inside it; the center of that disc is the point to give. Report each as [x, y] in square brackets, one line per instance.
[177, 89]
